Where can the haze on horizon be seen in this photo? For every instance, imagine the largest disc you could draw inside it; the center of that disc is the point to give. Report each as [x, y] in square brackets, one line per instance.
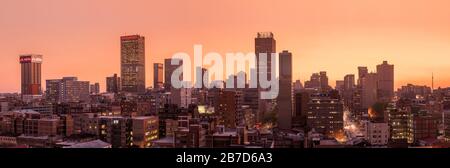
[81, 37]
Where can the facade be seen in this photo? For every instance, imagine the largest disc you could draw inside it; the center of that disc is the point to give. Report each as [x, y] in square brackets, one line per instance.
[378, 133]
[314, 82]
[115, 130]
[226, 108]
[400, 123]
[324, 80]
[446, 119]
[385, 73]
[158, 76]
[94, 88]
[424, 127]
[181, 97]
[412, 91]
[325, 114]
[192, 136]
[132, 58]
[318, 81]
[362, 72]
[349, 82]
[113, 84]
[67, 89]
[168, 71]
[144, 131]
[369, 90]
[31, 75]
[284, 98]
[265, 44]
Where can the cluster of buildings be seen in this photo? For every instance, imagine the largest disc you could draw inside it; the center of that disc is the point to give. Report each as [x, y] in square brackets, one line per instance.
[360, 111]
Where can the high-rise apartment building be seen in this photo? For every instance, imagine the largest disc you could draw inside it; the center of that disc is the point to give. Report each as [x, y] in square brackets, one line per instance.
[67, 89]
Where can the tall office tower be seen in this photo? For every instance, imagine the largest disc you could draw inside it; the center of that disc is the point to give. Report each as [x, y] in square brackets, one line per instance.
[285, 95]
[362, 71]
[67, 89]
[132, 58]
[369, 90]
[324, 80]
[385, 73]
[158, 76]
[113, 84]
[168, 70]
[31, 74]
[264, 44]
[349, 82]
[349, 91]
[94, 88]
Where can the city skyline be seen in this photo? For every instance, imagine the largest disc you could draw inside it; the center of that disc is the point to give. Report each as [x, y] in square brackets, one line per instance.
[366, 34]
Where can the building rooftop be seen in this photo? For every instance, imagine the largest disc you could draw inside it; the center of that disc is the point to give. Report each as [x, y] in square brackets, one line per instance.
[227, 134]
[144, 117]
[28, 111]
[168, 139]
[90, 144]
[111, 117]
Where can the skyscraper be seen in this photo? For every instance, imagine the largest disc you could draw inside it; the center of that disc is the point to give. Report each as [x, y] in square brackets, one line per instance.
[264, 44]
[324, 80]
[349, 91]
[113, 84]
[369, 90]
[362, 71]
[285, 94]
[158, 75]
[31, 74]
[349, 82]
[385, 73]
[132, 56]
[168, 70]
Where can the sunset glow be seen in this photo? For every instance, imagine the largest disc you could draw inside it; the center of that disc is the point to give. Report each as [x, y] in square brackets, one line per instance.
[82, 38]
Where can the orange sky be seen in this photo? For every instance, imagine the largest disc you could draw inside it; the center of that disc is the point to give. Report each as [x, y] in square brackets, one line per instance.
[81, 37]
